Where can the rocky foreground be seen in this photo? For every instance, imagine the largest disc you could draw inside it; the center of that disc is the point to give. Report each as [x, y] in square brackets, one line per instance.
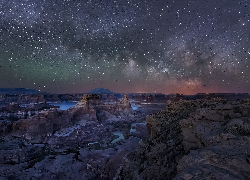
[74, 144]
[201, 139]
[194, 139]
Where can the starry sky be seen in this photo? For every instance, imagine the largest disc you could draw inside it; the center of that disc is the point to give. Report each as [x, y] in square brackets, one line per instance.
[178, 46]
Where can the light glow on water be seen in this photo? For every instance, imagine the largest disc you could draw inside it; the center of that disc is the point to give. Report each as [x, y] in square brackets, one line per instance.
[64, 105]
[134, 106]
[118, 133]
[133, 126]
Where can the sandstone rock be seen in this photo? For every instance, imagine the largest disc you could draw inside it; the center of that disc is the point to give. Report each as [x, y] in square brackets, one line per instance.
[13, 107]
[41, 125]
[238, 126]
[226, 161]
[92, 105]
[213, 116]
[199, 139]
[125, 103]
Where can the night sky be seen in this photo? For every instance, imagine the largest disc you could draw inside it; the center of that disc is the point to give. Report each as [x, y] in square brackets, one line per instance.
[137, 46]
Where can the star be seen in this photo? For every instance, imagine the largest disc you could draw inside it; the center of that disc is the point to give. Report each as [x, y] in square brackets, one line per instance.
[168, 46]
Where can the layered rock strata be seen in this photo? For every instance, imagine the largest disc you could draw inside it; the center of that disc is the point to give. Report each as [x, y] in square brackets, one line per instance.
[202, 139]
[71, 144]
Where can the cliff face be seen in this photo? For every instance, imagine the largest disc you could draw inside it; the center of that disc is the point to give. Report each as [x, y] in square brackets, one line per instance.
[194, 140]
[71, 144]
[89, 104]
[41, 125]
[48, 119]
[221, 135]
[92, 105]
[19, 91]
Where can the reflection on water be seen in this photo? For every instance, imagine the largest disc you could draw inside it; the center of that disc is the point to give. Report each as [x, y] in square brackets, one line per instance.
[134, 106]
[64, 105]
[133, 125]
[118, 133]
[23, 105]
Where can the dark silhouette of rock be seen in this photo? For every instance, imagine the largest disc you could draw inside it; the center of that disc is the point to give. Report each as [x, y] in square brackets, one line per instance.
[149, 99]
[100, 91]
[19, 91]
[90, 104]
[12, 107]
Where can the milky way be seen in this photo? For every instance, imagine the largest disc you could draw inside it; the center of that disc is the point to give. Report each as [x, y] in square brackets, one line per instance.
[125, 45]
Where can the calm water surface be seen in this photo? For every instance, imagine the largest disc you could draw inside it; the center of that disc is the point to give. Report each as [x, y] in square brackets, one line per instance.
[64, 105]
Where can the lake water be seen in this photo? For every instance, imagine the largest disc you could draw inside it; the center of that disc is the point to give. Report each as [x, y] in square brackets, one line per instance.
[120, 134]
[134, 106]
[133, 125]
[64, 105]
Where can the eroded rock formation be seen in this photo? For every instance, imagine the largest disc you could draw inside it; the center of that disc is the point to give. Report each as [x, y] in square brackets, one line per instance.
[71, 144]
[92, 106]
[194, 140]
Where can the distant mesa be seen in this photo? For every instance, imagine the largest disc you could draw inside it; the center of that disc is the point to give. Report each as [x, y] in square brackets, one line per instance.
[101, 91]
[19, 91]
